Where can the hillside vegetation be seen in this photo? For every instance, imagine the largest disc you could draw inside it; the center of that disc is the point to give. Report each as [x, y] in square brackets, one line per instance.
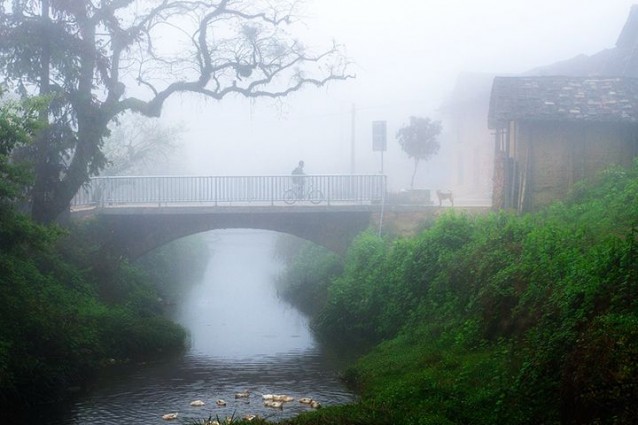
[501, 319]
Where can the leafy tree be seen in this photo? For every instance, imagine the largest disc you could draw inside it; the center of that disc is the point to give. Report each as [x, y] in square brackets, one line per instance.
[419, 140]
[85, 55]
[18, 123]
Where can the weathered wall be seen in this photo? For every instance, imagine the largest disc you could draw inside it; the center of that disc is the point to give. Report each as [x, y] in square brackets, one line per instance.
[564, 153]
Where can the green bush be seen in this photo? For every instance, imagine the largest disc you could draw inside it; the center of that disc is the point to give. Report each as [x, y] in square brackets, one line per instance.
[57, 327]
[351, 310]
[304, 282]
[502, 318]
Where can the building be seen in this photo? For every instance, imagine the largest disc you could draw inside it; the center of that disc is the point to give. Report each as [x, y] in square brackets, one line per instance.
[467, 140]
[551, 131]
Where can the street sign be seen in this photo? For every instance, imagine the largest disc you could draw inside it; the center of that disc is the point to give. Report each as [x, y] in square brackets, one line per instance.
[379, 136]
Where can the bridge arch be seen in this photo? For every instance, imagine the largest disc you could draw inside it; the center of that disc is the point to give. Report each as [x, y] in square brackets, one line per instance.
[145, 212]
[134, 233]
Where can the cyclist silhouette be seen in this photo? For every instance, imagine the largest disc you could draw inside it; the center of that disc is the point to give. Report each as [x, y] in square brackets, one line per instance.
[304, 188]
[298, 179]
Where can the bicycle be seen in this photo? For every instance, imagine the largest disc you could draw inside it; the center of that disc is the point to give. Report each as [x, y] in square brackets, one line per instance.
[303, 193]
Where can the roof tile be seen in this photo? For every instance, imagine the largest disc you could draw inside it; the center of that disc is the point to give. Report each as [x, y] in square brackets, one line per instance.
[547, 98]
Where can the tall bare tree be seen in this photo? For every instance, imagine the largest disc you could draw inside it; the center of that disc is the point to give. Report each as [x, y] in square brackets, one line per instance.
[95, 59]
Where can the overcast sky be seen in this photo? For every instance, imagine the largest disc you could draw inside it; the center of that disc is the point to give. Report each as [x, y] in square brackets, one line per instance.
[407, 55]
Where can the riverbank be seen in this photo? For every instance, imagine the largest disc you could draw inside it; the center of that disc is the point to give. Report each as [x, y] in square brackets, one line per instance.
[500, 319]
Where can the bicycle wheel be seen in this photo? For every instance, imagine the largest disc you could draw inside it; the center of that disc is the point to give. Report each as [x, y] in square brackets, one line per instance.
[290, 196]
[315, 196]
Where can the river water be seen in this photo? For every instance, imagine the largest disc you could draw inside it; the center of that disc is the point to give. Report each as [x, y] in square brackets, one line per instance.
[242, 338]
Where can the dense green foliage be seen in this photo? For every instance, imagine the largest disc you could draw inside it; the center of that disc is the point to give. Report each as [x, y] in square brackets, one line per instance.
[501, 319]
[57, 326]
[305, 281]
[18, 122]
[68, 306]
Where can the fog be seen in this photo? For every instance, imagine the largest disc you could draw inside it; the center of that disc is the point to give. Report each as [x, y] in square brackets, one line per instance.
[235, 311]
[407, 55]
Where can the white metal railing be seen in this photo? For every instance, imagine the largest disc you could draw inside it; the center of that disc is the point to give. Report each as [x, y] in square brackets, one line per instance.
[167, 190]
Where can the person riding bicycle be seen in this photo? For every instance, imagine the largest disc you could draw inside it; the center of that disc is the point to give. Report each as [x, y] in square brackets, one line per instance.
[298, 179]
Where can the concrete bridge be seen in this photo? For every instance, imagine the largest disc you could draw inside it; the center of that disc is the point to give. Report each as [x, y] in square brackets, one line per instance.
[145, 212]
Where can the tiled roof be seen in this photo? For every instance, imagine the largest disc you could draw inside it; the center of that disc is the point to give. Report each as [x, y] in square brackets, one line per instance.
[546, 98]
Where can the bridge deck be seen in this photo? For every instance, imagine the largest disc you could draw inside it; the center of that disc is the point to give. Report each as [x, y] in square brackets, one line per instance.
[208, 195]
[209, 208]
[218, 190]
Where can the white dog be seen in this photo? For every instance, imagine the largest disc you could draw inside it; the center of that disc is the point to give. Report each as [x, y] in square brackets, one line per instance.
[445, 195]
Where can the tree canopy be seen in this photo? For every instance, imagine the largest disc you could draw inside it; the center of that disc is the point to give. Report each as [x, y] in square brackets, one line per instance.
[99, 58]
[419, 140]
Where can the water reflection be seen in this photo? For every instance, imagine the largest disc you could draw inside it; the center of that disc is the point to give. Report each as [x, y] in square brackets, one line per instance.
[242, 337]
[143, 395]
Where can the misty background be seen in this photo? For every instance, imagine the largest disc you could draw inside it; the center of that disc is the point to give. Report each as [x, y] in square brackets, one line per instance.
[411, 58]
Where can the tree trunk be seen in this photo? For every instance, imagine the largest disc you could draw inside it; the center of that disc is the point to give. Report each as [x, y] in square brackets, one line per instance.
[56, 186]
[416, 164]
[42, 190]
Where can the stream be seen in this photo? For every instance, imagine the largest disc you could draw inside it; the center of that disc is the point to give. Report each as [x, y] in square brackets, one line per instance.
[242, 338]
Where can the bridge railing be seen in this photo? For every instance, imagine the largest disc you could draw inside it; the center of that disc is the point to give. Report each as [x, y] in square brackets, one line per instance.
[168, 190]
